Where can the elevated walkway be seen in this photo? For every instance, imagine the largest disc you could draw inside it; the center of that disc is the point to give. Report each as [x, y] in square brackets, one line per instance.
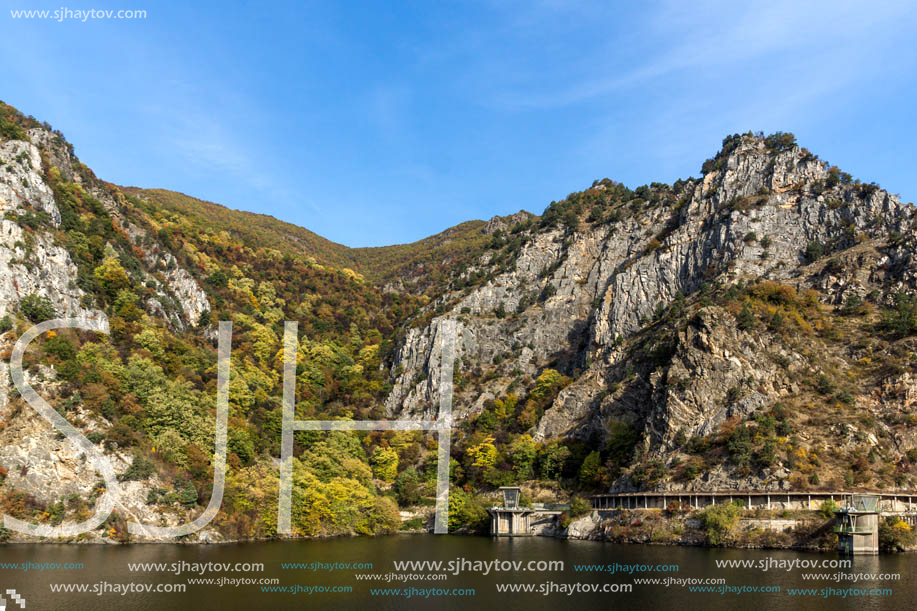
[889, 502]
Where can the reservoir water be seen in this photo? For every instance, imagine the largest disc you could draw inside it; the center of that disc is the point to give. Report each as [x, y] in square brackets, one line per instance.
[111, 565]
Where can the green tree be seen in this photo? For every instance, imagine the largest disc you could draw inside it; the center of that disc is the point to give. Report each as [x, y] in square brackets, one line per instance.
[522, 453]
[187, 496]
[110, 276]
[895, 535]
[548, 384]
[814, 250]
[407, 487]
[37, 308]
[175, 405]
[385, 464]
[466, 512]
[140, 468]
[504, 408]
[484, 454]
[746, 319]
[719, 521]
[590, 470]
[553, 460]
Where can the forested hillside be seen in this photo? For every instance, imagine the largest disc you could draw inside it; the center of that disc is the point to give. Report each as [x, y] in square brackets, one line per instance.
[705, 334]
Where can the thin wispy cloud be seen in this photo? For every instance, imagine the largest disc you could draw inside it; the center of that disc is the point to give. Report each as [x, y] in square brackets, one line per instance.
[685, 38]
[396, 121]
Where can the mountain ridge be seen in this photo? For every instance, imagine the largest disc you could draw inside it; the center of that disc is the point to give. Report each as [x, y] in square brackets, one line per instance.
[753, 328]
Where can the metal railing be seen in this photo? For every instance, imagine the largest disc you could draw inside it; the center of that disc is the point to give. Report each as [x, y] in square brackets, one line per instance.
[854, 529]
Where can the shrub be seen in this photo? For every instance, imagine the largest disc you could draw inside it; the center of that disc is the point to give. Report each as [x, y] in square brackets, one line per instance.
[466, 512]
[37, 308]
[141, 468]
[834, 266]
[745, 320]
[719, 521]
[622, 439]
[824, 385]
[60, 347]
[844, 397]
[187, 496]
[56, 512]
[902, 320]
[733, 395]
[827, 509]
[217, 279]
[412, 524]
[853, 305]
[156, 495]
[780, 141]
[895, 535]
[648, 474]
[675, 507]
[767, 455]
[571, 220]
[10, 130]
[776, 322]
[740, 446]
[120, 435]
[5, 324]
[579, 506]
[814, 250]
[547, 292]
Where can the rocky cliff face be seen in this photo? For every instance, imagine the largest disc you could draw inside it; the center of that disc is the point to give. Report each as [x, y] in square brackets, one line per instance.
[580, 300]
[34, 263]
[37, 265]
[45, 468]
[39, 464]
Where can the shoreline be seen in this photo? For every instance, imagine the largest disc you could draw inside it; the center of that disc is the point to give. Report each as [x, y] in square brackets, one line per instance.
[801, 531]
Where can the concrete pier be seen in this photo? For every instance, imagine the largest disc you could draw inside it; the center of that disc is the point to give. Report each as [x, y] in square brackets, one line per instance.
[513, 520]
[857, 525]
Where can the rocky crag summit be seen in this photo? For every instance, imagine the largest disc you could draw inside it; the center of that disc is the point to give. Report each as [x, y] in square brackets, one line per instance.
[749, 329]
[693, 307]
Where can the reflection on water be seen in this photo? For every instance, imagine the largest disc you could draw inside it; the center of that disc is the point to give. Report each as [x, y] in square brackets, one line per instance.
[110, 564]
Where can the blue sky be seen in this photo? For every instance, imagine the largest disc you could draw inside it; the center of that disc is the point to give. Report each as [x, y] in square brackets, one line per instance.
[372, 124]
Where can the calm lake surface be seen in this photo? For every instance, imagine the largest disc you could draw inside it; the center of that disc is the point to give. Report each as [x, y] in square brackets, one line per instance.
[110, 564]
